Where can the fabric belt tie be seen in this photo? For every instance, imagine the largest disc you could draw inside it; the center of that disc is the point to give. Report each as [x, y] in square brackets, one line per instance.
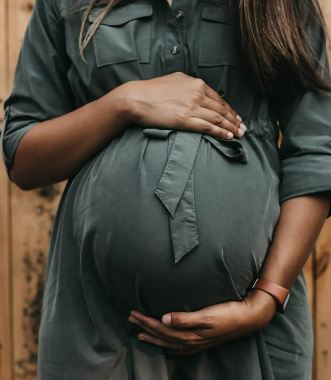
[175, 188]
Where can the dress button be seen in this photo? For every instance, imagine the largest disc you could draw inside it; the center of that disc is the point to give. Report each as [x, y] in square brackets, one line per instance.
[179, 15]
[175, 50]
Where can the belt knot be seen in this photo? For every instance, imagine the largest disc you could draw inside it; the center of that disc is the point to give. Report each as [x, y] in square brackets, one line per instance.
[175, 188]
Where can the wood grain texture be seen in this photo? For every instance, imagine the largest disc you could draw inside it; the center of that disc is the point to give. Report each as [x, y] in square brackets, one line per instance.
[6, 336]
[32, 216]
[323, 304]
[322, 275]
[32, 220]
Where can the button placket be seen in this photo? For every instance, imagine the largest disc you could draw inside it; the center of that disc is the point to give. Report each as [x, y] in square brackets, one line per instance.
[179, 15]
[175, 50]
[174, 57]
[176, 40]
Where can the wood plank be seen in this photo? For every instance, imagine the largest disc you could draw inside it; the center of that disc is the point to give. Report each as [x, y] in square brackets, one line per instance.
[18, 18]
[19, 12]
[323, 305]
[310, 279]
[32, 216]
[6, 332]
[323, 278]
[309, 275]
[32, 220]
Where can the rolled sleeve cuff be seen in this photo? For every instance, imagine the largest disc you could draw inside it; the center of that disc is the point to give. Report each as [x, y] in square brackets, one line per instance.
[11, 136]
[305, 175]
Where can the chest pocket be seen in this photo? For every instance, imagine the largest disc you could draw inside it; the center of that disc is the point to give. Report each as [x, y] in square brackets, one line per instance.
[218, 40]
[124, 35]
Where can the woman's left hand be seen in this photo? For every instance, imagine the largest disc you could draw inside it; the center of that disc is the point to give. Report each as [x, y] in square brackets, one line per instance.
[182, 333]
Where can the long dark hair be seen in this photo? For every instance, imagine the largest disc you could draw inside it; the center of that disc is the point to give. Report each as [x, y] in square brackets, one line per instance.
[274, 35]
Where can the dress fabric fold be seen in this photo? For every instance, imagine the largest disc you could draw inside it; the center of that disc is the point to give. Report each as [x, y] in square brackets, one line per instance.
[176, 186]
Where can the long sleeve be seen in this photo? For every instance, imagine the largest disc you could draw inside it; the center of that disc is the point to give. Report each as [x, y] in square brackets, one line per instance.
[305, 122]
[41, 89]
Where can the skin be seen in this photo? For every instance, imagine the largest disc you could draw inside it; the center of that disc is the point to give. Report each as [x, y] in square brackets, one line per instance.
[53, 150]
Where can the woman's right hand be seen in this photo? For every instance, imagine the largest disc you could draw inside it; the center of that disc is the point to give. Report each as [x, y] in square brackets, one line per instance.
[179, 101]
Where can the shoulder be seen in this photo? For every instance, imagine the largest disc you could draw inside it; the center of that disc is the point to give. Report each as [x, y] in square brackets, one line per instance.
[59, 9]
[67, 7]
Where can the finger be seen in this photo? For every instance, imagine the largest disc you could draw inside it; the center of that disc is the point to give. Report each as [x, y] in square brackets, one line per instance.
[220, 108]
[227, 124]
[203, 126]
[160, 330]
[159, 342]
[212, 94]
[154, 332]
[217, 118]
[226, 111]
[231, 110]
[192, 320]
[156, 327]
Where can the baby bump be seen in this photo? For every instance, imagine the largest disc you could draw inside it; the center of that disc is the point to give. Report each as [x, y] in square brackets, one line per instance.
[177, 223]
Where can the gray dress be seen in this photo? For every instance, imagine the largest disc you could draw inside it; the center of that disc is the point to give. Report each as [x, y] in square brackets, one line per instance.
[163, 220]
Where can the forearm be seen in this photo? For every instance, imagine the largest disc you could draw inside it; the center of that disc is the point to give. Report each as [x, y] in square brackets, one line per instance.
[55, 149]
[300, 222]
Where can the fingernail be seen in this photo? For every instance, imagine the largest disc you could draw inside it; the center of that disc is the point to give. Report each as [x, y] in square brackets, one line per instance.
[141, 337]
[243, 127]
[229, 135]
[240, 132]
[131, 319]
[166, 319]
[239, 118]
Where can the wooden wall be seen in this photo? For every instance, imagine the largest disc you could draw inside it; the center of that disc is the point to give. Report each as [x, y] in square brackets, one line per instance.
[25, 226]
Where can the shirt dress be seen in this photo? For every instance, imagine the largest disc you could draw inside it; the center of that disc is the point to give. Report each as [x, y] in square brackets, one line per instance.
[162, 220]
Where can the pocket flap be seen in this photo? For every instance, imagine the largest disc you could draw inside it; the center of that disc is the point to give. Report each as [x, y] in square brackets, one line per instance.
[216, 13]
[121, 15]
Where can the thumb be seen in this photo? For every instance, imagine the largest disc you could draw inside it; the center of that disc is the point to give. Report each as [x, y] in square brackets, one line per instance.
[181, 319]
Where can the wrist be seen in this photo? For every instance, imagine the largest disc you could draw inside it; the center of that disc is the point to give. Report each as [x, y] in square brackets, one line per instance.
[128, 100]
[118, 100]
[263, 306]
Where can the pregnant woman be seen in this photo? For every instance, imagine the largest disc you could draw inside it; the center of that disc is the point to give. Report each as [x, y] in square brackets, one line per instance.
[165, 117]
